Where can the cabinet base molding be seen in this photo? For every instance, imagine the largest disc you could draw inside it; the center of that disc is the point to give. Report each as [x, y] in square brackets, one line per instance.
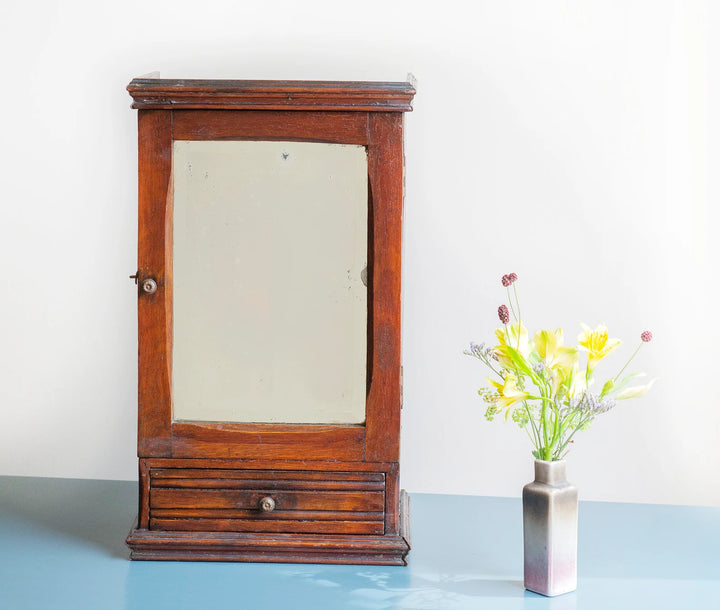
[163, 545]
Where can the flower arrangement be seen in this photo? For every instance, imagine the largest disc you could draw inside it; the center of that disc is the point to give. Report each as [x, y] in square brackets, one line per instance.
[541, 384]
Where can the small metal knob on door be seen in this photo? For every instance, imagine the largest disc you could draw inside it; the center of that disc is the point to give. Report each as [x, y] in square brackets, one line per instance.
[267, 504]
[149, 286]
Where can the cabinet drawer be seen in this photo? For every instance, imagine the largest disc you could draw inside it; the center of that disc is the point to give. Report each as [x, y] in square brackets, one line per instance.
[230, 500]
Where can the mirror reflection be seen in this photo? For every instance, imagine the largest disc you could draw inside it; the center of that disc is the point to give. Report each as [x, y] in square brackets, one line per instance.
[269, 303]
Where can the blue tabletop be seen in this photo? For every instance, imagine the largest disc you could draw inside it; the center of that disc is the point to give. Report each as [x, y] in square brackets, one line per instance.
[62, 546]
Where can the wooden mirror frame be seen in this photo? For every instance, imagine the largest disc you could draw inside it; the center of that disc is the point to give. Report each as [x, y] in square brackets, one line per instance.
[334, 488]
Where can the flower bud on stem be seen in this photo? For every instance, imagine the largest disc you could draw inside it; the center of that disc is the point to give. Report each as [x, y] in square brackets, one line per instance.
[646, 337]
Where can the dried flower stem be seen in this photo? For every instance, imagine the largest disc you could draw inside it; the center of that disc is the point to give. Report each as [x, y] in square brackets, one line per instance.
[628, 362]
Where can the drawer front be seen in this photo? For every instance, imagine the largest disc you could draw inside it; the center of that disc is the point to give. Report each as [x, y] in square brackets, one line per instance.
[303, 501]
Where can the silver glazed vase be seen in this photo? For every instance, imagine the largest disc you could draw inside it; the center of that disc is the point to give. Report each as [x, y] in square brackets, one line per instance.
[550, 510]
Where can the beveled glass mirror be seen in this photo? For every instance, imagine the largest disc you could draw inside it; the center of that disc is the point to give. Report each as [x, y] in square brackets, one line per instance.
[278, 231]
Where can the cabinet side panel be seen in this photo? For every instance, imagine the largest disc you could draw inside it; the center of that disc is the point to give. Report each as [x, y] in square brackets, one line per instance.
[154, 323]
[144, 496]
[385, 173]
[392, 500]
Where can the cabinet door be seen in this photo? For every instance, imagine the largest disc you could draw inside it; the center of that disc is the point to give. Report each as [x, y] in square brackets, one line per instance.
[273, 239]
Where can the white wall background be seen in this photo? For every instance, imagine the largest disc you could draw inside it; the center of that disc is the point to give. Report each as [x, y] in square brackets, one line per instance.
[574, 143]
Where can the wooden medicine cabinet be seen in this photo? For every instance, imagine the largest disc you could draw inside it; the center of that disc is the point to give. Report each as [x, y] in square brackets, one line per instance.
[268, 280]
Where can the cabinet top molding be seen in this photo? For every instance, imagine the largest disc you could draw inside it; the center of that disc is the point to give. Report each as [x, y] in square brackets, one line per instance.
[352, 96]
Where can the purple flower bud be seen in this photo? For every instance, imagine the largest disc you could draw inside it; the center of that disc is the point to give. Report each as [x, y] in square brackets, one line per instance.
[508, 279]
[503, 314]
[646, 336]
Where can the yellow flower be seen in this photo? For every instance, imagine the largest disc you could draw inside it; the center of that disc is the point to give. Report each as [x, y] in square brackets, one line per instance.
[578, 382]
[596, 344]
[508, 392]
[559, 360]
[550, 348]
[515, 336]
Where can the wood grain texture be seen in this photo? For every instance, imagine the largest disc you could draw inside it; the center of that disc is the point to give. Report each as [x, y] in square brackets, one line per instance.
[229, 500]
[336, 487]
[204, 499]
[258, 547]
[268, 125]
[170, 477]
[392, 500]
[385, 172]
[280, 483]
[144, 494]
[271, 95]
[236, 513]
[249, 499]
[291, 525]
[269, 441]
[291, 466]
[154, 193]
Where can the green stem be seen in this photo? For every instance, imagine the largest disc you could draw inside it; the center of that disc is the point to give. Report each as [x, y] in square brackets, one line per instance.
[577, 427]
[628, 362]
[518, 317]
[536, 441]
[512, 309]
[556, 429]
[486, 361]
[544, 420]
[530, 436]
[492, 368]
[533, 437]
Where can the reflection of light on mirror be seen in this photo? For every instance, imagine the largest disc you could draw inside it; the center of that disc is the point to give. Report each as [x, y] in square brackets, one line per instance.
[270, 304]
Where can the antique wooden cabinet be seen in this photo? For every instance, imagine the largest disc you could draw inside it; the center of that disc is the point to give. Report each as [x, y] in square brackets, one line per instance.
[269, 321]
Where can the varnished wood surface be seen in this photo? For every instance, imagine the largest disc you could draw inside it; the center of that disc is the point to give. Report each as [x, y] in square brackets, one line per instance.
[248, 499]
[200, 477]
[185, 497]
[336, 486]
[205, 478]
[271, 441]
[154, 336]
[385, 172]
[144, 494]
[229, 500]
[282, 125]
[287, 475]
[253, 514]
[392, 500]
[329, 466]
[169, 545]
[382, 132]
[290, 525]
[271, 95]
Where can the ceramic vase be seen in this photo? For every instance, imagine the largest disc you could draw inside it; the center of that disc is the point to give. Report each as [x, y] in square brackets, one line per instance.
[550, 509]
